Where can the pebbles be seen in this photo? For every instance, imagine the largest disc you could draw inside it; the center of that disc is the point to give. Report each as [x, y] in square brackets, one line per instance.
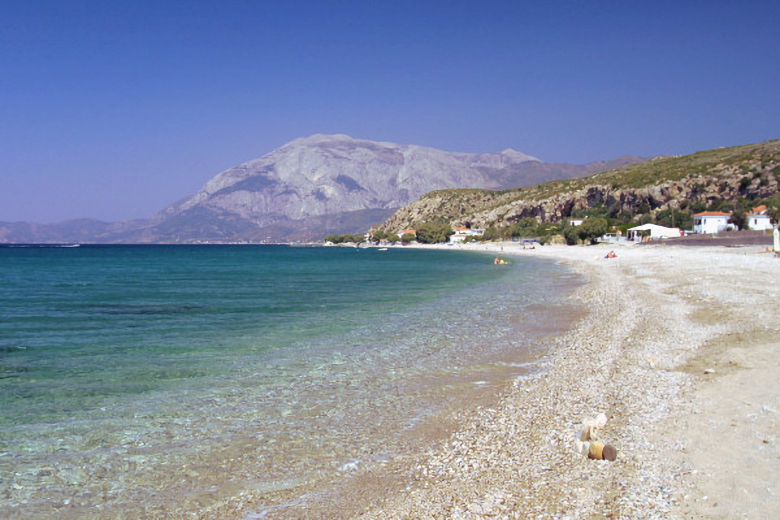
[622, 359]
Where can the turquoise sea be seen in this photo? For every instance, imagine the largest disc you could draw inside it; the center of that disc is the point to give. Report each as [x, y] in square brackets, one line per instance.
[159, 380]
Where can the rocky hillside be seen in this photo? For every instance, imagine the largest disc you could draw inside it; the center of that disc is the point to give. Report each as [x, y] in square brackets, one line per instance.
[746, 173]
[310, 187]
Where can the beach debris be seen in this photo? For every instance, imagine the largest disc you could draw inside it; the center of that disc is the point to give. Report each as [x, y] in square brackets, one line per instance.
[350, 466]
[600, 451]
[586, 443]
[591, 426]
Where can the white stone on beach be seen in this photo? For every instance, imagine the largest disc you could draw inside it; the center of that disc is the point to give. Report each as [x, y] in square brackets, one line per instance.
[590, 427]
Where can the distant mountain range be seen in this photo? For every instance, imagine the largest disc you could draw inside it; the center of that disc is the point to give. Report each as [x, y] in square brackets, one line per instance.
[311, 187]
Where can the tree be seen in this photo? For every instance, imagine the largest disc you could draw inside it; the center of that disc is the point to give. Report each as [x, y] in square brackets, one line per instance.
[342, 239]
[592, 229]
[642, 219]
[407, 237]
[491, 233]
[528, 227]
[382, 235]
[738, 219]
[431, 233]
[673, 217]
[571, 234]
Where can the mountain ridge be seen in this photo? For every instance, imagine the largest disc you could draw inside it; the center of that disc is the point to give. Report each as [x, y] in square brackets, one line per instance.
[309, 187]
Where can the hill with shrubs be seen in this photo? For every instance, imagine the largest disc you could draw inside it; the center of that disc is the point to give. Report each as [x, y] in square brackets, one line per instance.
[665, 190]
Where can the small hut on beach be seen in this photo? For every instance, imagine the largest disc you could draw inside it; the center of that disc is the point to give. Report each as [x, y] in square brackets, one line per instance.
[652, 231]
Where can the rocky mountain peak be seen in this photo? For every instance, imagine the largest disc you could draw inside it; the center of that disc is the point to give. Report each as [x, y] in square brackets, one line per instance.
[516, 156]
[330, 183]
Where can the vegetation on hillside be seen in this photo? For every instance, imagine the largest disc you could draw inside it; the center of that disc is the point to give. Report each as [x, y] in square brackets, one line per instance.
[666, 191]
[664, 169]
[346, 239]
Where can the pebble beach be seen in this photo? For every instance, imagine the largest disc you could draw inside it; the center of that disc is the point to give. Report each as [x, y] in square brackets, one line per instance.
[677, 348]
[669, 353]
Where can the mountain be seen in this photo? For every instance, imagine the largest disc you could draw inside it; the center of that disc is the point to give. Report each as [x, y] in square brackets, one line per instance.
[737, 176]
[311, 187]
[77, 230]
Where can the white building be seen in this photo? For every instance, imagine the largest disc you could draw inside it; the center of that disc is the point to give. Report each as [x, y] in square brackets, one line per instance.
[758, 219]
[711, 222]
[758, 222]
[653, 231]
[576, 221]
[461, 233]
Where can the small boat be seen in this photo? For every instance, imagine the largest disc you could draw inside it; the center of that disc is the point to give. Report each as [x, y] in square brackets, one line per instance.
[382, 249]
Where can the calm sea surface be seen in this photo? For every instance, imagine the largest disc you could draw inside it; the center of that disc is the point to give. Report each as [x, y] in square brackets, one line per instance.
[153, 380]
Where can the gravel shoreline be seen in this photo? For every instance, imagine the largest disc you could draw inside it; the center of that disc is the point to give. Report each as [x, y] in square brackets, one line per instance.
[654, 316]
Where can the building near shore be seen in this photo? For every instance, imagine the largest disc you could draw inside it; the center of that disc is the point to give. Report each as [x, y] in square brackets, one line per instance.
[758, 219]
[462, 233]
[712, 222]
[652, 231]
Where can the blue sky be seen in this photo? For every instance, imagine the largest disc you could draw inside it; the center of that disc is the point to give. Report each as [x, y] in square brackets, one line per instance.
[113, 110]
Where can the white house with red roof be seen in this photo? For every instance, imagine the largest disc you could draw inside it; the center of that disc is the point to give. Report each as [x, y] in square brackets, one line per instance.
[758, 219]
[711, 222]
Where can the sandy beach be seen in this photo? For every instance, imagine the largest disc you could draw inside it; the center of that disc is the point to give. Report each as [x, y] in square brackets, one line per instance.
[679, 349]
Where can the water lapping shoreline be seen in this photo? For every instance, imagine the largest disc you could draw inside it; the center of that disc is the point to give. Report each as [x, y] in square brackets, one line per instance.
[677, 347]
[264, 428]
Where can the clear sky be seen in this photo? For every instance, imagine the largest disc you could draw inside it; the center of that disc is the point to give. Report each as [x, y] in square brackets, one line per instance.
[114, 109]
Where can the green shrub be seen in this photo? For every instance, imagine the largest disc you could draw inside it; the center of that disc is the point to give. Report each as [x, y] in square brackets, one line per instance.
[571, 235]
[431, 233]
[739, 220]
[528, 227]
[592, 229]
[492, 233]
[343, 239]
[674, 218]
[383, 235]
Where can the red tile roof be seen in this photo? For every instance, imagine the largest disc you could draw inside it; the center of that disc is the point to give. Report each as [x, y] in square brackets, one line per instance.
[712, 214]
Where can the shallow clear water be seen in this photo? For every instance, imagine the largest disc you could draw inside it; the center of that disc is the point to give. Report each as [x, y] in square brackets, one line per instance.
[160, 379]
